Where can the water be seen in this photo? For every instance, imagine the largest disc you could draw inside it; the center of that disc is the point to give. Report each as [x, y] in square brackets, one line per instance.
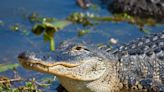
[12, 43]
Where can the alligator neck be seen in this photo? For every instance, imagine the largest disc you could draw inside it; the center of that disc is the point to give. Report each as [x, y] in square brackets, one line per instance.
[141, 59]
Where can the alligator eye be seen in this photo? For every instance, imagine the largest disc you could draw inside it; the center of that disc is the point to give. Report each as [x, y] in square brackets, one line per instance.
[78, 48]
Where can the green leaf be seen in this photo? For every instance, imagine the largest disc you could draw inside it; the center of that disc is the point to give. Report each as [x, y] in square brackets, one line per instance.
[38, 29]
[83, 32]
[146, 31]
[7, 67]
[15, 27]
[1, 23]
[46, 37]
[28, 84]
[60, 24]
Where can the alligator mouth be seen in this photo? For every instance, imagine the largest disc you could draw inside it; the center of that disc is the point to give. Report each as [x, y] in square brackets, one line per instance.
[86, 70]
[38, 62]
[33, 63]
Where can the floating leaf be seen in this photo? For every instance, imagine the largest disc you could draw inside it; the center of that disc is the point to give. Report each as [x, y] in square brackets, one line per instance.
[29, 84]
[34, 17]
[49, 19]
[15, 27]
[80, 18]
[83, 32]
[146, 31]
[7, 67]
[1, 23]
[60, 24]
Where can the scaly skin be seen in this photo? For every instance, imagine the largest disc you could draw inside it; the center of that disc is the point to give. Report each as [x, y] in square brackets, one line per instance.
[137, 66]
[142, 61]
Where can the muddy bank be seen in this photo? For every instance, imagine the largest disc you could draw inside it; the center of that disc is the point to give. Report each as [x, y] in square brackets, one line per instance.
[141, 8]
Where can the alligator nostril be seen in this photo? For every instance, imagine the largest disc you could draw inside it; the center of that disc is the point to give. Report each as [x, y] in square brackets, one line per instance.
[22, 55]
[26, 55]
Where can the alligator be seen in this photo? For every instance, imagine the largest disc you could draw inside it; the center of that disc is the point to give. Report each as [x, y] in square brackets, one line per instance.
[142, 8]
[137, 66]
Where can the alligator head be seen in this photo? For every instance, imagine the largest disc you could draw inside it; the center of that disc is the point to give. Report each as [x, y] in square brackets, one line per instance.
[82, 68]
[78, 68]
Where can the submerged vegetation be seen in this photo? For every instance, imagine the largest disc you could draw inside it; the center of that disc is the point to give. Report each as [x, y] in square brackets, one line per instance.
[6, 85]
[83, 32]
[32, 85]
[1, 23]
[49, 26]
[7, 67]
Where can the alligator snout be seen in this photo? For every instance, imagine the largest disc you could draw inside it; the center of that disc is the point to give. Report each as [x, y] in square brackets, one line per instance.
[21, 55]
[31, 55]
[26, 55]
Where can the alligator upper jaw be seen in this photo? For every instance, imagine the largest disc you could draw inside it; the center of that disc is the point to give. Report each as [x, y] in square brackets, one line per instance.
[76, 71]
[42, 66]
